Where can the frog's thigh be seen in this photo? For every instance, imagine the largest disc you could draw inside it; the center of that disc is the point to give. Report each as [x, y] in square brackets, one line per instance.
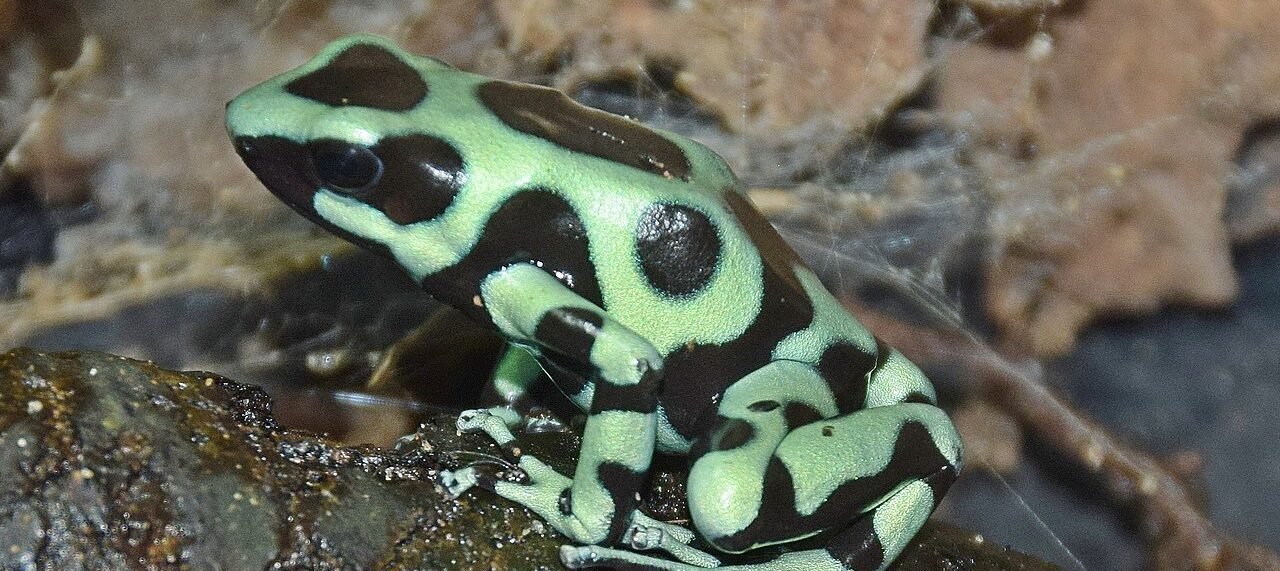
[891, 463]
[731, 460]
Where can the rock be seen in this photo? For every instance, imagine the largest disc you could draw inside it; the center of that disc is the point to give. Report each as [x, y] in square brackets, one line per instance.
[108, 462]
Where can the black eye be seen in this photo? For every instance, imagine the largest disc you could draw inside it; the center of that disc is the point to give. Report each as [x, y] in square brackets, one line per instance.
[345, 166]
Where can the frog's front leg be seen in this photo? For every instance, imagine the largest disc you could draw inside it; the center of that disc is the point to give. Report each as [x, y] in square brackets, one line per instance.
[596, 506]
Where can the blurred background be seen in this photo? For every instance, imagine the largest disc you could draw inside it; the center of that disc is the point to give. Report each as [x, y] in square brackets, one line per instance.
[1089, 189]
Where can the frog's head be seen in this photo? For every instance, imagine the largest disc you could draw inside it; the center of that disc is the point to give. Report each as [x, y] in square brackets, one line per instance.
[341, 128]
[396, 151]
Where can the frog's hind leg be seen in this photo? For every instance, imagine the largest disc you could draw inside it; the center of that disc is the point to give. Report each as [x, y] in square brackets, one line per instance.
[857, 547]
[515, 374]
[591, 556]
[784, 466]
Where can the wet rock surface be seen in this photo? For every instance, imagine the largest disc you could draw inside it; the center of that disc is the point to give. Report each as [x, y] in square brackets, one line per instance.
[111, 462]
[107, 462]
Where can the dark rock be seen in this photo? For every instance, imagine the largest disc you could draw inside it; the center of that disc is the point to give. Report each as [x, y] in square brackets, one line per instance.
[107, 462]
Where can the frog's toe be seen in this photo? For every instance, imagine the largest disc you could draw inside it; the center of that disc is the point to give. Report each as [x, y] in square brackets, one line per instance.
[592, 556]
[671, 530]
[577, 557]
[483, 420]
[457, 482]
[485, 476]
[672, 539]
[472, 420]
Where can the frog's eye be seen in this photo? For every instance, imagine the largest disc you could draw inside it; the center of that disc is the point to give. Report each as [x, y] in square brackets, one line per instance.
[345, 167]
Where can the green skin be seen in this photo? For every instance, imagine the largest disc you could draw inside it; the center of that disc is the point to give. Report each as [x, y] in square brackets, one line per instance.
[624, 261]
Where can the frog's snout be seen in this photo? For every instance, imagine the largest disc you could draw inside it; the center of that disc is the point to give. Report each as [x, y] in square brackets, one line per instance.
[244, 146]
[283, 166]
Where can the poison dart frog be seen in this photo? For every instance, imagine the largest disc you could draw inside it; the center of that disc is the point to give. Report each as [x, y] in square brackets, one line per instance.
[626, 262]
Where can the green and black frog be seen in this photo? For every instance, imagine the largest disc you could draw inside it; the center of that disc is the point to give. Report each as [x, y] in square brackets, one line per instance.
[626, 262]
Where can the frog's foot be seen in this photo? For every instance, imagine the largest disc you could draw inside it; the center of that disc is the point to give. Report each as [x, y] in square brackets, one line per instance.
[643, 523]
[644, 538]
[457, 482]
[531, 419]
[510, 415]
[644, 534]
[491, 421]
[494, 423]
[589, 556]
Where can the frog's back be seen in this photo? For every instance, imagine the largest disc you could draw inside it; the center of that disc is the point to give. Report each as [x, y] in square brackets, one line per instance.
[470, 174]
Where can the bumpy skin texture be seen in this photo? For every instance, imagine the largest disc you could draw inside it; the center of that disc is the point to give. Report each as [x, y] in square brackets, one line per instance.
[624, 261]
